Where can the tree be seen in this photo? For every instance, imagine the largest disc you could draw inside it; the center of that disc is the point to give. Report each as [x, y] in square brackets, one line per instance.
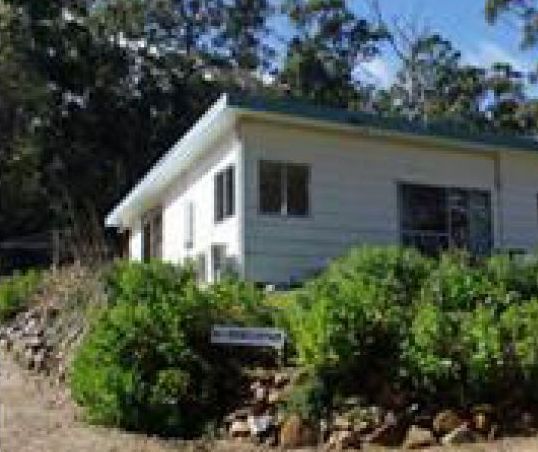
[330, 42]
[525, 11]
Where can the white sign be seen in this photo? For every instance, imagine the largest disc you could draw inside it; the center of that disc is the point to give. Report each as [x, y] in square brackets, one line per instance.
[254, 337]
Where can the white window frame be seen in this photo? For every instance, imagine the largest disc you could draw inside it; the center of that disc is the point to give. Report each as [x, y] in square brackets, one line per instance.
[284, 189]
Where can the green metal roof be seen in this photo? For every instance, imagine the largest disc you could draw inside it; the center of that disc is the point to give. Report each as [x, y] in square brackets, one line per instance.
[436, 129]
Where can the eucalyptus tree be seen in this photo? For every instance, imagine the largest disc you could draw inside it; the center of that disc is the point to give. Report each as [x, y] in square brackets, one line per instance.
[328, 44]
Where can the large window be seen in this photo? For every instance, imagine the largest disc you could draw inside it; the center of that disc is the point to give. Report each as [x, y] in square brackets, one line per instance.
[152, 235]
[225, 194]
[284, 188]
[437, 218]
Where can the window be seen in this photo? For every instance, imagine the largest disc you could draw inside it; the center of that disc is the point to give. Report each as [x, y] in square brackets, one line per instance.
[189, 225]
[225, 194]
[437, 218]
[152, 235]
[218, 261]
[284, 188]
[201, 268]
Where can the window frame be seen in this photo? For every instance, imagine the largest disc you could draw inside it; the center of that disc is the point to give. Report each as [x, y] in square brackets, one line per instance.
[224, 191]
[448, 233]
[284, 192]
[189, 225]
[152, 223]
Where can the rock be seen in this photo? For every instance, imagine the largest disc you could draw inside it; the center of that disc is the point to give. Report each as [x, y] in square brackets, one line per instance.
[352, 402]
[482, 417]
[446, 421]
[5, 344]
[295, 433]
[260, 425]
[460, 435]
[281, 379]
[418, 437]
[343, 440]
[34, 342]
[28, 358]
[275, 396]
[342, 423]
[239, 429]
[39, 361]
[389, 434]
[238, 415]
[260, 393]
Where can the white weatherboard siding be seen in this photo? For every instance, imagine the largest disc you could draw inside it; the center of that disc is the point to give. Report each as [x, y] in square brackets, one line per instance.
[519, 177]
[135, 241]
[353, 193]
[197, 186]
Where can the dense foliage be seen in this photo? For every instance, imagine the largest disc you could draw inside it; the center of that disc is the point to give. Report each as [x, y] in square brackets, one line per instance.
[16, 291]
[452, 330]
[441, 329]
[147, 364]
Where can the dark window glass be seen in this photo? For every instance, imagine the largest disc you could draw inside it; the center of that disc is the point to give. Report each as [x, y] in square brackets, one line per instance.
[297, 177]
[230, 192]
[146, 242]
[423, 208]
[157, 236]
[225, 194]
[435, 218]
[271, 196]
[219, 196]
[152, 234]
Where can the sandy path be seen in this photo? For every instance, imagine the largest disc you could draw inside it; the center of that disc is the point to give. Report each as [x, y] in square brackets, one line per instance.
[33, 418]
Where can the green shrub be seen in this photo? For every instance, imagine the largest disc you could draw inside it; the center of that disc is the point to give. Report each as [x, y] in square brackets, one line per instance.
[517, 277]
[455, 284]
[355, 311]
[428, 349]
[147, 363]
[15, 293]
[310, 398]
[520, 329]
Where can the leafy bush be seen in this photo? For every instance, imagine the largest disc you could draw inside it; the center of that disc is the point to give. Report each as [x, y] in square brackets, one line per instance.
[355, 311]
[15, 292]
[454, 327]
[520, 330]
[147, 363]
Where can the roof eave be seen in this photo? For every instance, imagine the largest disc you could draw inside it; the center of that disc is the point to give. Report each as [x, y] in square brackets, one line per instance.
[173, 163]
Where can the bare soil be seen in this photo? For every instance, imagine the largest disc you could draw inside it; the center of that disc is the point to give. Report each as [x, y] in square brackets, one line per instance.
[37, 417]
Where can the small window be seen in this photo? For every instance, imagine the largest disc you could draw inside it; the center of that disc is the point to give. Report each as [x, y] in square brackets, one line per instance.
[218, 261]
[284, 188]
[189, 225]
[225, 194]
[152, 235]
[201, 268]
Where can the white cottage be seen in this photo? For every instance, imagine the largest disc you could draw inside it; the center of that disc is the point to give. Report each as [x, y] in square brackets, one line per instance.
[273, 190]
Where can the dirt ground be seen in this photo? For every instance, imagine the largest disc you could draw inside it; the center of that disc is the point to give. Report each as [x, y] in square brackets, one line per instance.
[34, 417]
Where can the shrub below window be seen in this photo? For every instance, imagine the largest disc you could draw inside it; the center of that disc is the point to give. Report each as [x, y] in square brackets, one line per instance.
[451, 328]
